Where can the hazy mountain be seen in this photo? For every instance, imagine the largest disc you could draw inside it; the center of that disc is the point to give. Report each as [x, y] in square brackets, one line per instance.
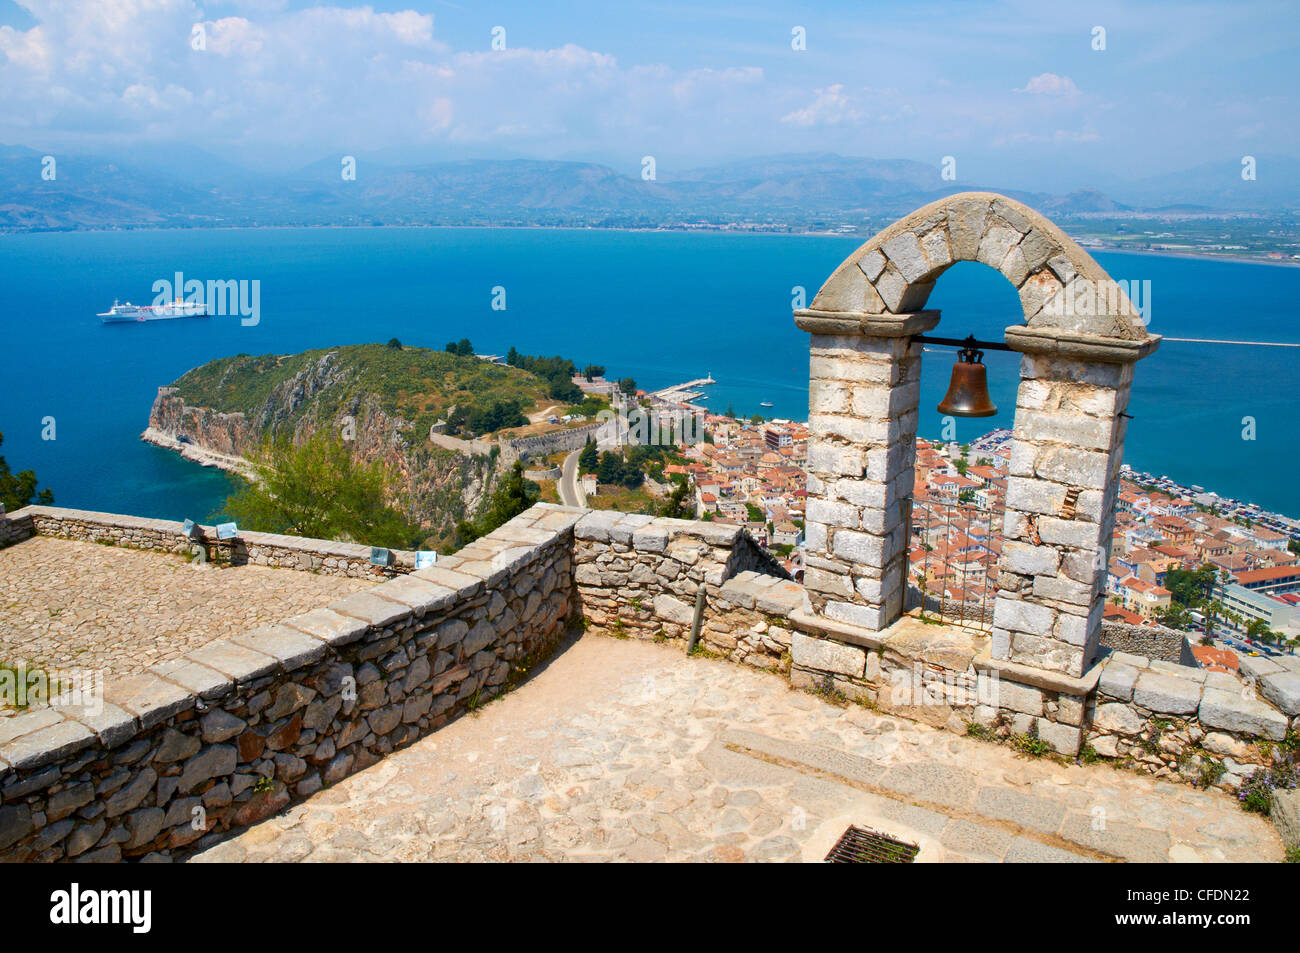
[1219, 184]
[185, 186]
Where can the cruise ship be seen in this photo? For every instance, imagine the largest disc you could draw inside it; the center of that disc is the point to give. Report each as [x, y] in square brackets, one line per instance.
[153, 312]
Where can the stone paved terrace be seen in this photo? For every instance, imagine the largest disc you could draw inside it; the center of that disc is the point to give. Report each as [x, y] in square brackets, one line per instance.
[71, 604]
[628, 750]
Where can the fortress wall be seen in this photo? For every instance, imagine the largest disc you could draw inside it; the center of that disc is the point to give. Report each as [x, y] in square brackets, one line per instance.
[542, 445]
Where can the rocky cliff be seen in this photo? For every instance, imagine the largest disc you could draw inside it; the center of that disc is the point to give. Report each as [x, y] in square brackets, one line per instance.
[302, 397]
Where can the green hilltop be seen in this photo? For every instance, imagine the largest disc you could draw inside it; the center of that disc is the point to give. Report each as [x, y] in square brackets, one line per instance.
[415, 383]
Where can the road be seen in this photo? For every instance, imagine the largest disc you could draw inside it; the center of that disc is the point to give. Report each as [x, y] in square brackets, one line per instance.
[570, 494]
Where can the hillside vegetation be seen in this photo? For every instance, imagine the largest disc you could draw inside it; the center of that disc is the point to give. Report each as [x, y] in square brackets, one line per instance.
[417, 384]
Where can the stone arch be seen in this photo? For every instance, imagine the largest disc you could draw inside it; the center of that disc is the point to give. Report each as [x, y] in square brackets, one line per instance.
[1080, 340]
[1061, 287]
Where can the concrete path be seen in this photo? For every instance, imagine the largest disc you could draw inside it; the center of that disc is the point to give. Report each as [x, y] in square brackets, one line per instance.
[570, 494]
[625, 750]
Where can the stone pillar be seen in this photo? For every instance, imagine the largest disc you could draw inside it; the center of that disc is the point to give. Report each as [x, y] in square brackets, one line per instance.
[863, 392]
[1065, 458]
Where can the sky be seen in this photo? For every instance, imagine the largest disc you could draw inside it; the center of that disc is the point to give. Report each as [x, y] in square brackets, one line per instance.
[1010, 89]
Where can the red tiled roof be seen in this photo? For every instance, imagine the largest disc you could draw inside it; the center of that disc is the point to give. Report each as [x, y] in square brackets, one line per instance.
[1216, 660]
[1267, 574]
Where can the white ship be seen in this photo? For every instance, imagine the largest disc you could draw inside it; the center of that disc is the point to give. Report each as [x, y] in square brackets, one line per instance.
[153, 312]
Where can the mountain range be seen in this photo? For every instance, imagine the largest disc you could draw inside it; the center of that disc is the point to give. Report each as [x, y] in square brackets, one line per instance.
[188, 187]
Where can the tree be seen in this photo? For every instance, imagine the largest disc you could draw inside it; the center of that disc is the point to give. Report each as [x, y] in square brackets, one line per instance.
[731, 412]
[961, 466]
[561, 387]
[461, 348]
[755, 514]
[627, 385]
[675, 505]
[1191, 587]
[589, 458]
[395, 344]
[320, 490]
[512, 497]
[19, 489]
[593, 371]
[1175, 616]
[610, 468]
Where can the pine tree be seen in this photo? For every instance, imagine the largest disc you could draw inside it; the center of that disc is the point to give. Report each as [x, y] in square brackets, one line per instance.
[610, 469]
[320, 490]
[675, 506]
[589, 459]
[19, 489]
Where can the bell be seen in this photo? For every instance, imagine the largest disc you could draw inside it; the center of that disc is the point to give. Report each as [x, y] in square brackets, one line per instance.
[968, 390]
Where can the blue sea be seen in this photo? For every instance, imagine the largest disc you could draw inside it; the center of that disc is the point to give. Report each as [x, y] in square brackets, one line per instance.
[662, 307]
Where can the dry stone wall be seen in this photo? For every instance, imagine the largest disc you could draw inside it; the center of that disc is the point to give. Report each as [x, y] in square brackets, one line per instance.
[324, 556]
[236, 730]
[1170, 720]
[638, 575]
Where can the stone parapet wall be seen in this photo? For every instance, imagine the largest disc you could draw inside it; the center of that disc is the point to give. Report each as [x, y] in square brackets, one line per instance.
[639, 575]
[938, 675]
[262, 549]
[1157, 716]
[1149, 641]
[748, 620]
[234, 731]
[15, 527]
[1173, 719]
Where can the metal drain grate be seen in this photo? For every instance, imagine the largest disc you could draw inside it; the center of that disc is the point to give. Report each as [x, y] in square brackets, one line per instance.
[860, 845]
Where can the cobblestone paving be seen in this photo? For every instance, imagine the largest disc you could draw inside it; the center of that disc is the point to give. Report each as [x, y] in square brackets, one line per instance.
[624, 750]
[70, 604]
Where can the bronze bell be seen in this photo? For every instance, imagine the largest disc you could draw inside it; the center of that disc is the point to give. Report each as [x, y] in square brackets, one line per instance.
[968, 390]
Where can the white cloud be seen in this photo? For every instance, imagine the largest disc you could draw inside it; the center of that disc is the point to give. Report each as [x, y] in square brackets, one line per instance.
[1049, 84]
[292, 84]
[830, 107]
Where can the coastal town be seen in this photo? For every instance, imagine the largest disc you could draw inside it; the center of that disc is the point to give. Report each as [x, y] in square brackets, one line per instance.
[750, 472]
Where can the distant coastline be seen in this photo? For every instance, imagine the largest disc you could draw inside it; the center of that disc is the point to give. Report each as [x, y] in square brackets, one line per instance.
[1196, 256]
[683, 229]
